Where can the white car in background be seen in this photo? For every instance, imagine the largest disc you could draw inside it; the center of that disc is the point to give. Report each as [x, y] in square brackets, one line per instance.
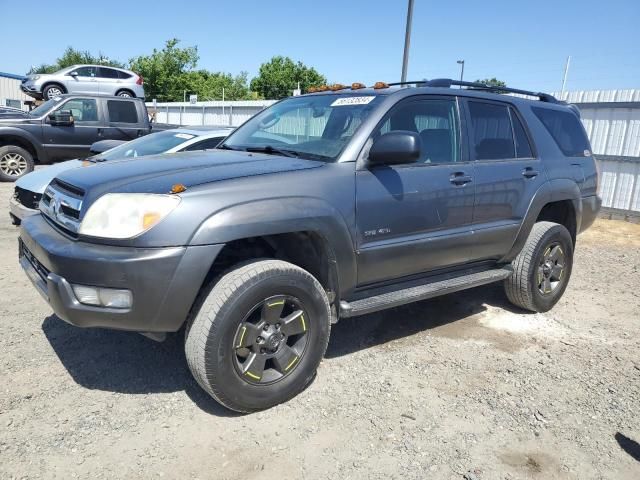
[29, 189]
[84, 79]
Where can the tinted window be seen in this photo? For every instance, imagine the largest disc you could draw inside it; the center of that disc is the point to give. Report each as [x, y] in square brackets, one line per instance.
[523, 147]
[107, 73]
[565, 129]
[86, 71]
[122, 112]
[123, 75]
[204, 144]
[492, 138]
[436, 121]
[82, 109]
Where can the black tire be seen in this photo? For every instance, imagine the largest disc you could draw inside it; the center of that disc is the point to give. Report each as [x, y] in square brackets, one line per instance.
[125, 93]
[213, 340]
[541, 271]
[51, 91]
[15, 162]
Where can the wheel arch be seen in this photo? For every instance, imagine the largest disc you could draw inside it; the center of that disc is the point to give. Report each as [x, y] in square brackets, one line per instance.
[22, 139]
[54, 82]
[557, 201]
[133, 95]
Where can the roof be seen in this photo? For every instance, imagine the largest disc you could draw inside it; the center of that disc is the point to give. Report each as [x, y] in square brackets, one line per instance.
[12, 76]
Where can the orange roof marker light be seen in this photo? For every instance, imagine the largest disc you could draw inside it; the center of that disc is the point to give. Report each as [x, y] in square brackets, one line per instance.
[357, 86]
[312, 90]
[380, 85]
[337, 86]
[178, 188]
[323, 88]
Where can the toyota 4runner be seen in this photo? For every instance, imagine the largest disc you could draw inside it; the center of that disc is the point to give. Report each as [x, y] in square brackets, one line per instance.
[328, 205]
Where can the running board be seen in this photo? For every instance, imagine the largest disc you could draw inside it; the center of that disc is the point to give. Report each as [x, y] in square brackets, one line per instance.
[422, 292]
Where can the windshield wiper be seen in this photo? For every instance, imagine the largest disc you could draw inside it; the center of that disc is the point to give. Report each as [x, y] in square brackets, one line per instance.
[224, 146]
[268, 149]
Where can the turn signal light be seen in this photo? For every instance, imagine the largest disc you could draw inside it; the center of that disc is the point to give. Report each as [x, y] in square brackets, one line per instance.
[178, 188]
[379, 85]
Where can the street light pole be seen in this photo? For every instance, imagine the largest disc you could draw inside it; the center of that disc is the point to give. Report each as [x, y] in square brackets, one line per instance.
[461, 63]
[407, 41]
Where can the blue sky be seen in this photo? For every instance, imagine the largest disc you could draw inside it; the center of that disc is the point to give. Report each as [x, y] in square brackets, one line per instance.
[523, 43]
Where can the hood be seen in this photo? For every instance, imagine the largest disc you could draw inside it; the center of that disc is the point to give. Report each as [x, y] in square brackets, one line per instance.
[38, 180]
[157, 173]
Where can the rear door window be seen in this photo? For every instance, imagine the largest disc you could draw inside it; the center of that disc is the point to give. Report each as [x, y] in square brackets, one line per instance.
[566, 130]
[491, 132]
[107, 73]
[523, 147]
[122, 111]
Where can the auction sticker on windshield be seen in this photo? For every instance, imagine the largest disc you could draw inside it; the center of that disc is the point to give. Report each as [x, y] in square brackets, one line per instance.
[362, 100]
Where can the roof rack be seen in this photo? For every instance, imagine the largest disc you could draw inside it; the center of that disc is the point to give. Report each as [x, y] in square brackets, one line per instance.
[448, 83]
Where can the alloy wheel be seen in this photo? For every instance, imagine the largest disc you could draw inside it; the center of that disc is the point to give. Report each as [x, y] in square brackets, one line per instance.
[13, 164]
[53, 92]
[271, 340]
[550, 269]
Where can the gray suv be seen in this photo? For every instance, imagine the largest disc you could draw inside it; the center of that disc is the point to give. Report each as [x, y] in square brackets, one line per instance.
[324, 206]
[84, 79]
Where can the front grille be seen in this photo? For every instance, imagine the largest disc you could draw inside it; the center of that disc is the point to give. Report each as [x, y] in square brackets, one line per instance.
[61, 205]
[27, 198]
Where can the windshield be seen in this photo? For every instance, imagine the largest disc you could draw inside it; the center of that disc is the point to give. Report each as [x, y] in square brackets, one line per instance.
[150, 144]
[45, 107]
[314, 127]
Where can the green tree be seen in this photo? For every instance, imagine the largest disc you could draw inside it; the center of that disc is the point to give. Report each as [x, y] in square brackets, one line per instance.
[278, 77]
[208, 85]
[494, 82]
[71, 56]
[164, 70]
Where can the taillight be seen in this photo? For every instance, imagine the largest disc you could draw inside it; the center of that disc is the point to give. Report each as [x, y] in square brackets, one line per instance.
[140, 80]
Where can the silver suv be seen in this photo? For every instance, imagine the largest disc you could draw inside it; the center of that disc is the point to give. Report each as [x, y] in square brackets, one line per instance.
[84, 79]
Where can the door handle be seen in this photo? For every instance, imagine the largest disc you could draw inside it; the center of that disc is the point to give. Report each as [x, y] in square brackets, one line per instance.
[459, 178]
[99, 132]
[530, 173]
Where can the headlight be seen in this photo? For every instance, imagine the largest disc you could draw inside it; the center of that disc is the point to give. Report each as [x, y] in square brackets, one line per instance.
[35, 77]
[125, 215]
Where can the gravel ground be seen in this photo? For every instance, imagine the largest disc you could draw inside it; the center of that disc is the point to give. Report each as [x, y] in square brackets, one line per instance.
[463, 386]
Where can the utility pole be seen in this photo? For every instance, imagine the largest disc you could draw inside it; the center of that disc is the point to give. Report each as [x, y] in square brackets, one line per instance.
[566, 72]
[407, 41]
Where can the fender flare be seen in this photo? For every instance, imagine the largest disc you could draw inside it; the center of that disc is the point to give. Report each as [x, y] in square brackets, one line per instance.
[286, 215]
[26, 136]
[551, 191]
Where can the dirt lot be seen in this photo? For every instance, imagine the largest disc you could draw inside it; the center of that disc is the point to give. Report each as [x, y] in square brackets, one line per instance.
[463, 386]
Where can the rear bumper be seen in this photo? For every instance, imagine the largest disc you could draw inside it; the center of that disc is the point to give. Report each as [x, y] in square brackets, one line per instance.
[164, 281]
[590, 209]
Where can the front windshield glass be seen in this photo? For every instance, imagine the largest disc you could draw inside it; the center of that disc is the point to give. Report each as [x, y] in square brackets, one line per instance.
[45, 107]
[150, 144]
[314, 127]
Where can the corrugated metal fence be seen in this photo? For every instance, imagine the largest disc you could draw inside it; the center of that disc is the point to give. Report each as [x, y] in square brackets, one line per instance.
[611, 119]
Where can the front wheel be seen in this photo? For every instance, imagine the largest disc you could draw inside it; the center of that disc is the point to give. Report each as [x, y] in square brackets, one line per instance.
[51, 91]
[541, 271]
[259, 335]
[14, 163]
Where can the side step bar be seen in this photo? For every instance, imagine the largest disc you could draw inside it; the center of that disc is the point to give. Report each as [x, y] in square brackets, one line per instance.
[422, 292]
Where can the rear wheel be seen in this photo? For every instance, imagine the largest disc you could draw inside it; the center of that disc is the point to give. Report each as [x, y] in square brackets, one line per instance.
[125, 93]
[14, 163]
[53, 90]
[259, 335]
[541, 271]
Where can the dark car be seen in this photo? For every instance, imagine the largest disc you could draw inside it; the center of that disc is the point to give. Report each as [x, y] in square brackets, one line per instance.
[65, 127]
[321, 207]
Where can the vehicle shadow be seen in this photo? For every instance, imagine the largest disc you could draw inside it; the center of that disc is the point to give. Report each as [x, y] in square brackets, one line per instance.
[350, 335]
[126, 362]
[630, 446]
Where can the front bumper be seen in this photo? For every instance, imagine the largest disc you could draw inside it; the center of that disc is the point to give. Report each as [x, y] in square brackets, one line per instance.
[19, 211]
[31, 89]
[164, 281]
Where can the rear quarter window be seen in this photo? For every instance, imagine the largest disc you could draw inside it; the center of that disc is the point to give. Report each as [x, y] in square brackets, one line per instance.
[122, 111]
[566, 130]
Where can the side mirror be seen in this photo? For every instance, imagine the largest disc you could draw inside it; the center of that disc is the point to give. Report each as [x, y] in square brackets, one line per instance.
[104, 145]
[395, 148]
[61, 118]
[73, 74]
